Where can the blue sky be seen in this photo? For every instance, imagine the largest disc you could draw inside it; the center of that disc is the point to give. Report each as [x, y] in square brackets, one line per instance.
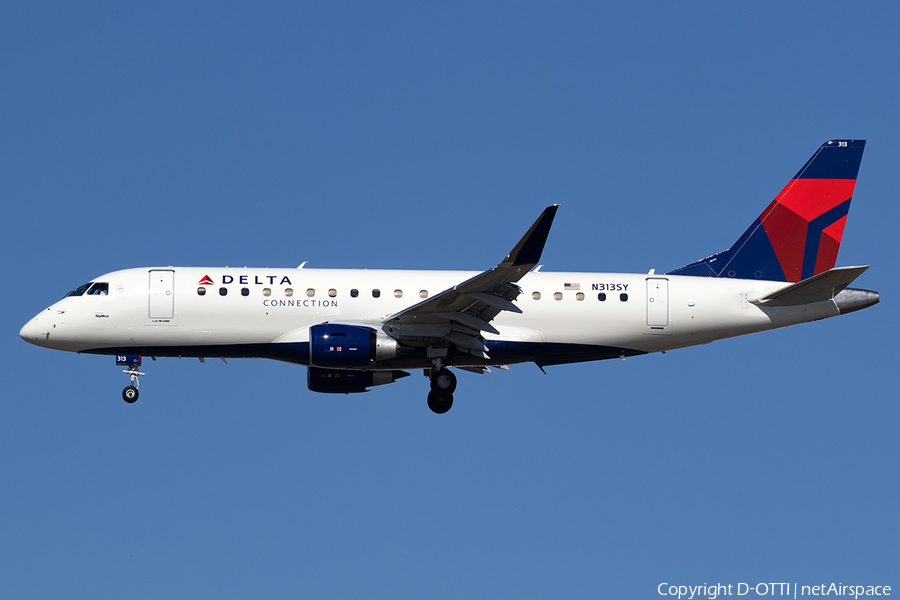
[395, 135]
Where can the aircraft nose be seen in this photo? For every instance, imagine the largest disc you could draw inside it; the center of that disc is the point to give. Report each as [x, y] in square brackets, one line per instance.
[33, 332]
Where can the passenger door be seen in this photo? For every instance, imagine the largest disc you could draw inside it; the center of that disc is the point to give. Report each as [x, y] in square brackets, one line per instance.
[162, 294]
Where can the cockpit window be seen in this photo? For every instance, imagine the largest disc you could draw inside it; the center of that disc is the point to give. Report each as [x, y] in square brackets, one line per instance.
[80, 290]
[91, 288]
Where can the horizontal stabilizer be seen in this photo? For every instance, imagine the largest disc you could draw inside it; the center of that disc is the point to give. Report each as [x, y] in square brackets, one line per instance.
[823, 286]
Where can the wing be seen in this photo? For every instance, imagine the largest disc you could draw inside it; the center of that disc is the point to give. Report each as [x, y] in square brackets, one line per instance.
[460, 314]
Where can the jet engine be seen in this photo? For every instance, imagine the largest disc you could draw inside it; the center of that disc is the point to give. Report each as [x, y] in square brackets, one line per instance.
[349, 346]
[335, 381]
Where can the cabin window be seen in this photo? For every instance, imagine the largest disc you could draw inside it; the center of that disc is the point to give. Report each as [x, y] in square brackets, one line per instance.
[376, 293]
[79, 291]
[98, 289]
[579, 296]
[354, 293]
[332, 293]
[201, 291]
[267, 292]
[223, 291]
[245, 291]
[288, 292]
[398, 293]
[601, 297]
[310, 292]
[536, 296]
[423, 294]
[557, 296]
[623, 297]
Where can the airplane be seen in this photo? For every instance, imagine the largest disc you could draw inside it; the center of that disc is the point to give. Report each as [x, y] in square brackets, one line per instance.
[356, 329]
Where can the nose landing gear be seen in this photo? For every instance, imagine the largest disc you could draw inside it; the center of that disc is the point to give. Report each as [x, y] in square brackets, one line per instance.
[130, 393]
[132, 361]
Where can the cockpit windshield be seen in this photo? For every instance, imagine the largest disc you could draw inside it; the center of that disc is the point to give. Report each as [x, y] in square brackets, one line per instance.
[91, 288]
[80, 290]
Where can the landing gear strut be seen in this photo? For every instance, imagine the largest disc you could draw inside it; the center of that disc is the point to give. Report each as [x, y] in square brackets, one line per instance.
[443, 384]
[130, 393]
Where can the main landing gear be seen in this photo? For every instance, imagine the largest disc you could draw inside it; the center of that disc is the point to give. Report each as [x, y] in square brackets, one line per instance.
[130, 393]
[443, 384]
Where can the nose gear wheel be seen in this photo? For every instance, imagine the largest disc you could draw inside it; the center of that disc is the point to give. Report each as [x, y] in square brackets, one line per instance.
[130, 393]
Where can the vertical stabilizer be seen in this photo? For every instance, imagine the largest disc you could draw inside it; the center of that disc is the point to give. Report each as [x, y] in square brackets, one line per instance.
[798, 235]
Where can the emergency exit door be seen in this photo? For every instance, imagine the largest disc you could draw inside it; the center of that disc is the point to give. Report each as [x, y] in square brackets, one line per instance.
[162, 294]
[657, 303]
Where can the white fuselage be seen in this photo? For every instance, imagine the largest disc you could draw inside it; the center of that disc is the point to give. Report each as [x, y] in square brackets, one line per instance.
[244, 312]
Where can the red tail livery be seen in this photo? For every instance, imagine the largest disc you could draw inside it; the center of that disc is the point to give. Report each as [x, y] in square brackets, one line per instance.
[799, 233]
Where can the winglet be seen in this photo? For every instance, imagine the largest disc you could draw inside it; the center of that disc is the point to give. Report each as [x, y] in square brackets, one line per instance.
[528, 250]
[476, 301]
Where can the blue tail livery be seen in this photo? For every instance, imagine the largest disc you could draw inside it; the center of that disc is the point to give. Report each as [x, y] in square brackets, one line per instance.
[799, 233]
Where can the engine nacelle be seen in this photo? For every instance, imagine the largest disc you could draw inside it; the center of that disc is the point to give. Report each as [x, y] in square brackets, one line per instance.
[335, 381]
[345, 346]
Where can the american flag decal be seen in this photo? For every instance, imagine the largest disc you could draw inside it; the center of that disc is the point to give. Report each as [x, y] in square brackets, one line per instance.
[575, 287]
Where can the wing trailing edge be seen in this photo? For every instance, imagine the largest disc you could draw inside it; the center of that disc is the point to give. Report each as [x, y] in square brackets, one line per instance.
[471, 305]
